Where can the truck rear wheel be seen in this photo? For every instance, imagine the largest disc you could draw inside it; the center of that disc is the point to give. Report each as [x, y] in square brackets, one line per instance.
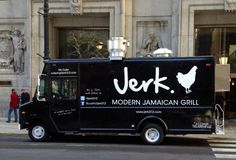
[152, 134]
[38, 132]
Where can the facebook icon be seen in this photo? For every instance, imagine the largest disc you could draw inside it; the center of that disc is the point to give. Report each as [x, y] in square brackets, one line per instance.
[82, 100]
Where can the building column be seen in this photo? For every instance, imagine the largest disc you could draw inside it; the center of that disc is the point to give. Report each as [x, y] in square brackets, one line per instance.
[128, 26]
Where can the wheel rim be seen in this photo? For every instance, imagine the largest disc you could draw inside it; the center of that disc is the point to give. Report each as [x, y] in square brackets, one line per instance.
[152, 135]
[38, 132]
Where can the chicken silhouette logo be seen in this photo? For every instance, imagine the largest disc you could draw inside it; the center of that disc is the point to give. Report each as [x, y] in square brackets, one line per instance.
[187, 80]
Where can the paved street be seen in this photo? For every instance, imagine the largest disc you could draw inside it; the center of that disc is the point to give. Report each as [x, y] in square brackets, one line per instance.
[105, 148]
[223, 147]
[189, 147]
[15, 144]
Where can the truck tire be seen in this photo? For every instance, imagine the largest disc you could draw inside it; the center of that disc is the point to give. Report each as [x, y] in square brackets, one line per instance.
[152, 134]
[38, 132]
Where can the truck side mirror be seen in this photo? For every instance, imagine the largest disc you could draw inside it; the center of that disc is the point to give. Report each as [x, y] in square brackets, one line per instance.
[42, 88]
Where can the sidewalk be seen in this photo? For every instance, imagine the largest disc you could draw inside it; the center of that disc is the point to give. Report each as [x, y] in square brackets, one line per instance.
[230, 126]
[12, 128]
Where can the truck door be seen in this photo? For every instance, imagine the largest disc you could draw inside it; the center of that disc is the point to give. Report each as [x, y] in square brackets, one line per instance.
[64, 110]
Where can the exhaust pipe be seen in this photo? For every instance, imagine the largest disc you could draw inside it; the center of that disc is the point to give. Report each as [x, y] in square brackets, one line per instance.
[117, 48]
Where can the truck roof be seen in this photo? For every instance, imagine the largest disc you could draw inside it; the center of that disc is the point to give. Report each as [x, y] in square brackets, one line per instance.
[89, 60]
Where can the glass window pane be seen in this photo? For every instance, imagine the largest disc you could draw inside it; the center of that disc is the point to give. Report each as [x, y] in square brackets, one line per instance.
[42, 88]
[83, 43]
[65, 89]
[217, 41]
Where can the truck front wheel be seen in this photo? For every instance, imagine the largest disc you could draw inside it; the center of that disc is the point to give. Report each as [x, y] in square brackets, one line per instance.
[152, 134]
[38, 132]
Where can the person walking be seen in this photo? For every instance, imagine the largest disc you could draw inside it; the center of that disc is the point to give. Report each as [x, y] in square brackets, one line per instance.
[24, 96]
[14, 103]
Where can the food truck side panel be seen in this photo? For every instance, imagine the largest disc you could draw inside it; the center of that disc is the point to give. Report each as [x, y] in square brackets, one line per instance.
[120, 96]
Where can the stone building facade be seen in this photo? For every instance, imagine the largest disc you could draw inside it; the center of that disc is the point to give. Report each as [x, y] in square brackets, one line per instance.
[15, 49]
[148, 25]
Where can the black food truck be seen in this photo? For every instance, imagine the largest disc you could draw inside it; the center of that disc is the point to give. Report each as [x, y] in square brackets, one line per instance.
[150, 97]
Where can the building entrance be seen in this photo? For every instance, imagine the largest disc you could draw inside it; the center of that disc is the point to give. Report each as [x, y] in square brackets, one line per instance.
[219, 39]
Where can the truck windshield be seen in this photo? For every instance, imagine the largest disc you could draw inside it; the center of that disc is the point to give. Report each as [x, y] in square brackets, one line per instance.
[42, 88]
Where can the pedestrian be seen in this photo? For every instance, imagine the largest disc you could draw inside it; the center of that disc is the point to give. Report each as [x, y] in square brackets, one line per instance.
[14, 103]
[24, 96]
